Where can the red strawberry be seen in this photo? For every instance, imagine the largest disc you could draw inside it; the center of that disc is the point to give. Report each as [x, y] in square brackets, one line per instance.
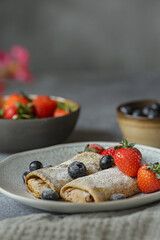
[44, 106]
[94, 148]
[59, 112]
[64, 108]
[19, 111]
[128, 159]
[109, 151]
[10, 112]
[12, 99]
[149, 178]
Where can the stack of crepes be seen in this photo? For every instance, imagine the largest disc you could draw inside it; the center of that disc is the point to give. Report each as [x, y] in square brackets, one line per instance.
[97, 186]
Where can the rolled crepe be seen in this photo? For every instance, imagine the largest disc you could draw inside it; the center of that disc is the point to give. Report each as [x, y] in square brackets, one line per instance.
[56, 177]
[99, 186]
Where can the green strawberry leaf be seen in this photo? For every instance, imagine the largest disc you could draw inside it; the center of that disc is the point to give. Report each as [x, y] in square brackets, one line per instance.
[117, 147]
[94, 150]
[72, 107]
[63, 106]
[1, 112]
[67, 107]
[131, 145]
[155, 168]
[124, 144]
[25, 96]
[157, 175]
[87, 149]
[24, 111]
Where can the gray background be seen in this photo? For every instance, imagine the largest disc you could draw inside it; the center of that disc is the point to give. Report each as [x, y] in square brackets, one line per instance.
[82, 35]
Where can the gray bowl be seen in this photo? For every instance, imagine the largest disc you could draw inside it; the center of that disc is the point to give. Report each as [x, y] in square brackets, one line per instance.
[27, 134]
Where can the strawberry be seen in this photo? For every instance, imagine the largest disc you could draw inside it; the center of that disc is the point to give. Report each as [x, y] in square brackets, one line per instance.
[25, 111]
[127, 158]
[64, 108]
[19, 111]
[44, 106]
[149, 178]
[94, 148]
[10, 112]
[109, 151]
[12, 99]
[59, 112]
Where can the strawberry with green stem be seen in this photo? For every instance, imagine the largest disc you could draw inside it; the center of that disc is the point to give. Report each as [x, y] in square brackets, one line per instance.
[64, 108]
[149, 178]
[94, 148]
[18, 106]
[128, 158]
[19, 111]
[14, 98]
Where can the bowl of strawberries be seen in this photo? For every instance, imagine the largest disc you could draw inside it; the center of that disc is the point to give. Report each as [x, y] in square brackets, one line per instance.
[35, 121]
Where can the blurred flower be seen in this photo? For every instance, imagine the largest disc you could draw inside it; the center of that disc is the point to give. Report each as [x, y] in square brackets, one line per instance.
[20, 54]
[14, 65]
[5, 59]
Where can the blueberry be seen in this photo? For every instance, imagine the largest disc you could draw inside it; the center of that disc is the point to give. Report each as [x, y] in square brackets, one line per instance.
[106, 162]
[137, 113]
[153, 114]
[117, 197]
[35, 165]
[48, 166]
[24, 175]
[49, 194]
[155, 106]
[126, 109]
[146, 110]
[76, 170]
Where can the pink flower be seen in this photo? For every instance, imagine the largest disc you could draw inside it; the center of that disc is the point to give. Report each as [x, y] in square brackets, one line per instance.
[14, 65]
[20, 54]
[1, 87]
[23, 74]
[5, 59]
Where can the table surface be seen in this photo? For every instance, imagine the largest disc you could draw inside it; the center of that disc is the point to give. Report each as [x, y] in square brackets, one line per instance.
[98, 95]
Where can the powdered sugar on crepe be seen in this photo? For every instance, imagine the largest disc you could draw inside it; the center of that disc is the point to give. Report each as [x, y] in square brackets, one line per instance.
[112, 176]
[57, 177]
[103, 184]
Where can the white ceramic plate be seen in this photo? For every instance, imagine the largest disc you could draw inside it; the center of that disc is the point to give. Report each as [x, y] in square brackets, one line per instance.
[12, 168]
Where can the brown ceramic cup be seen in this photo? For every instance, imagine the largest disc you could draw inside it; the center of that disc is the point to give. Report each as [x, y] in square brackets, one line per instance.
[141, 130]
